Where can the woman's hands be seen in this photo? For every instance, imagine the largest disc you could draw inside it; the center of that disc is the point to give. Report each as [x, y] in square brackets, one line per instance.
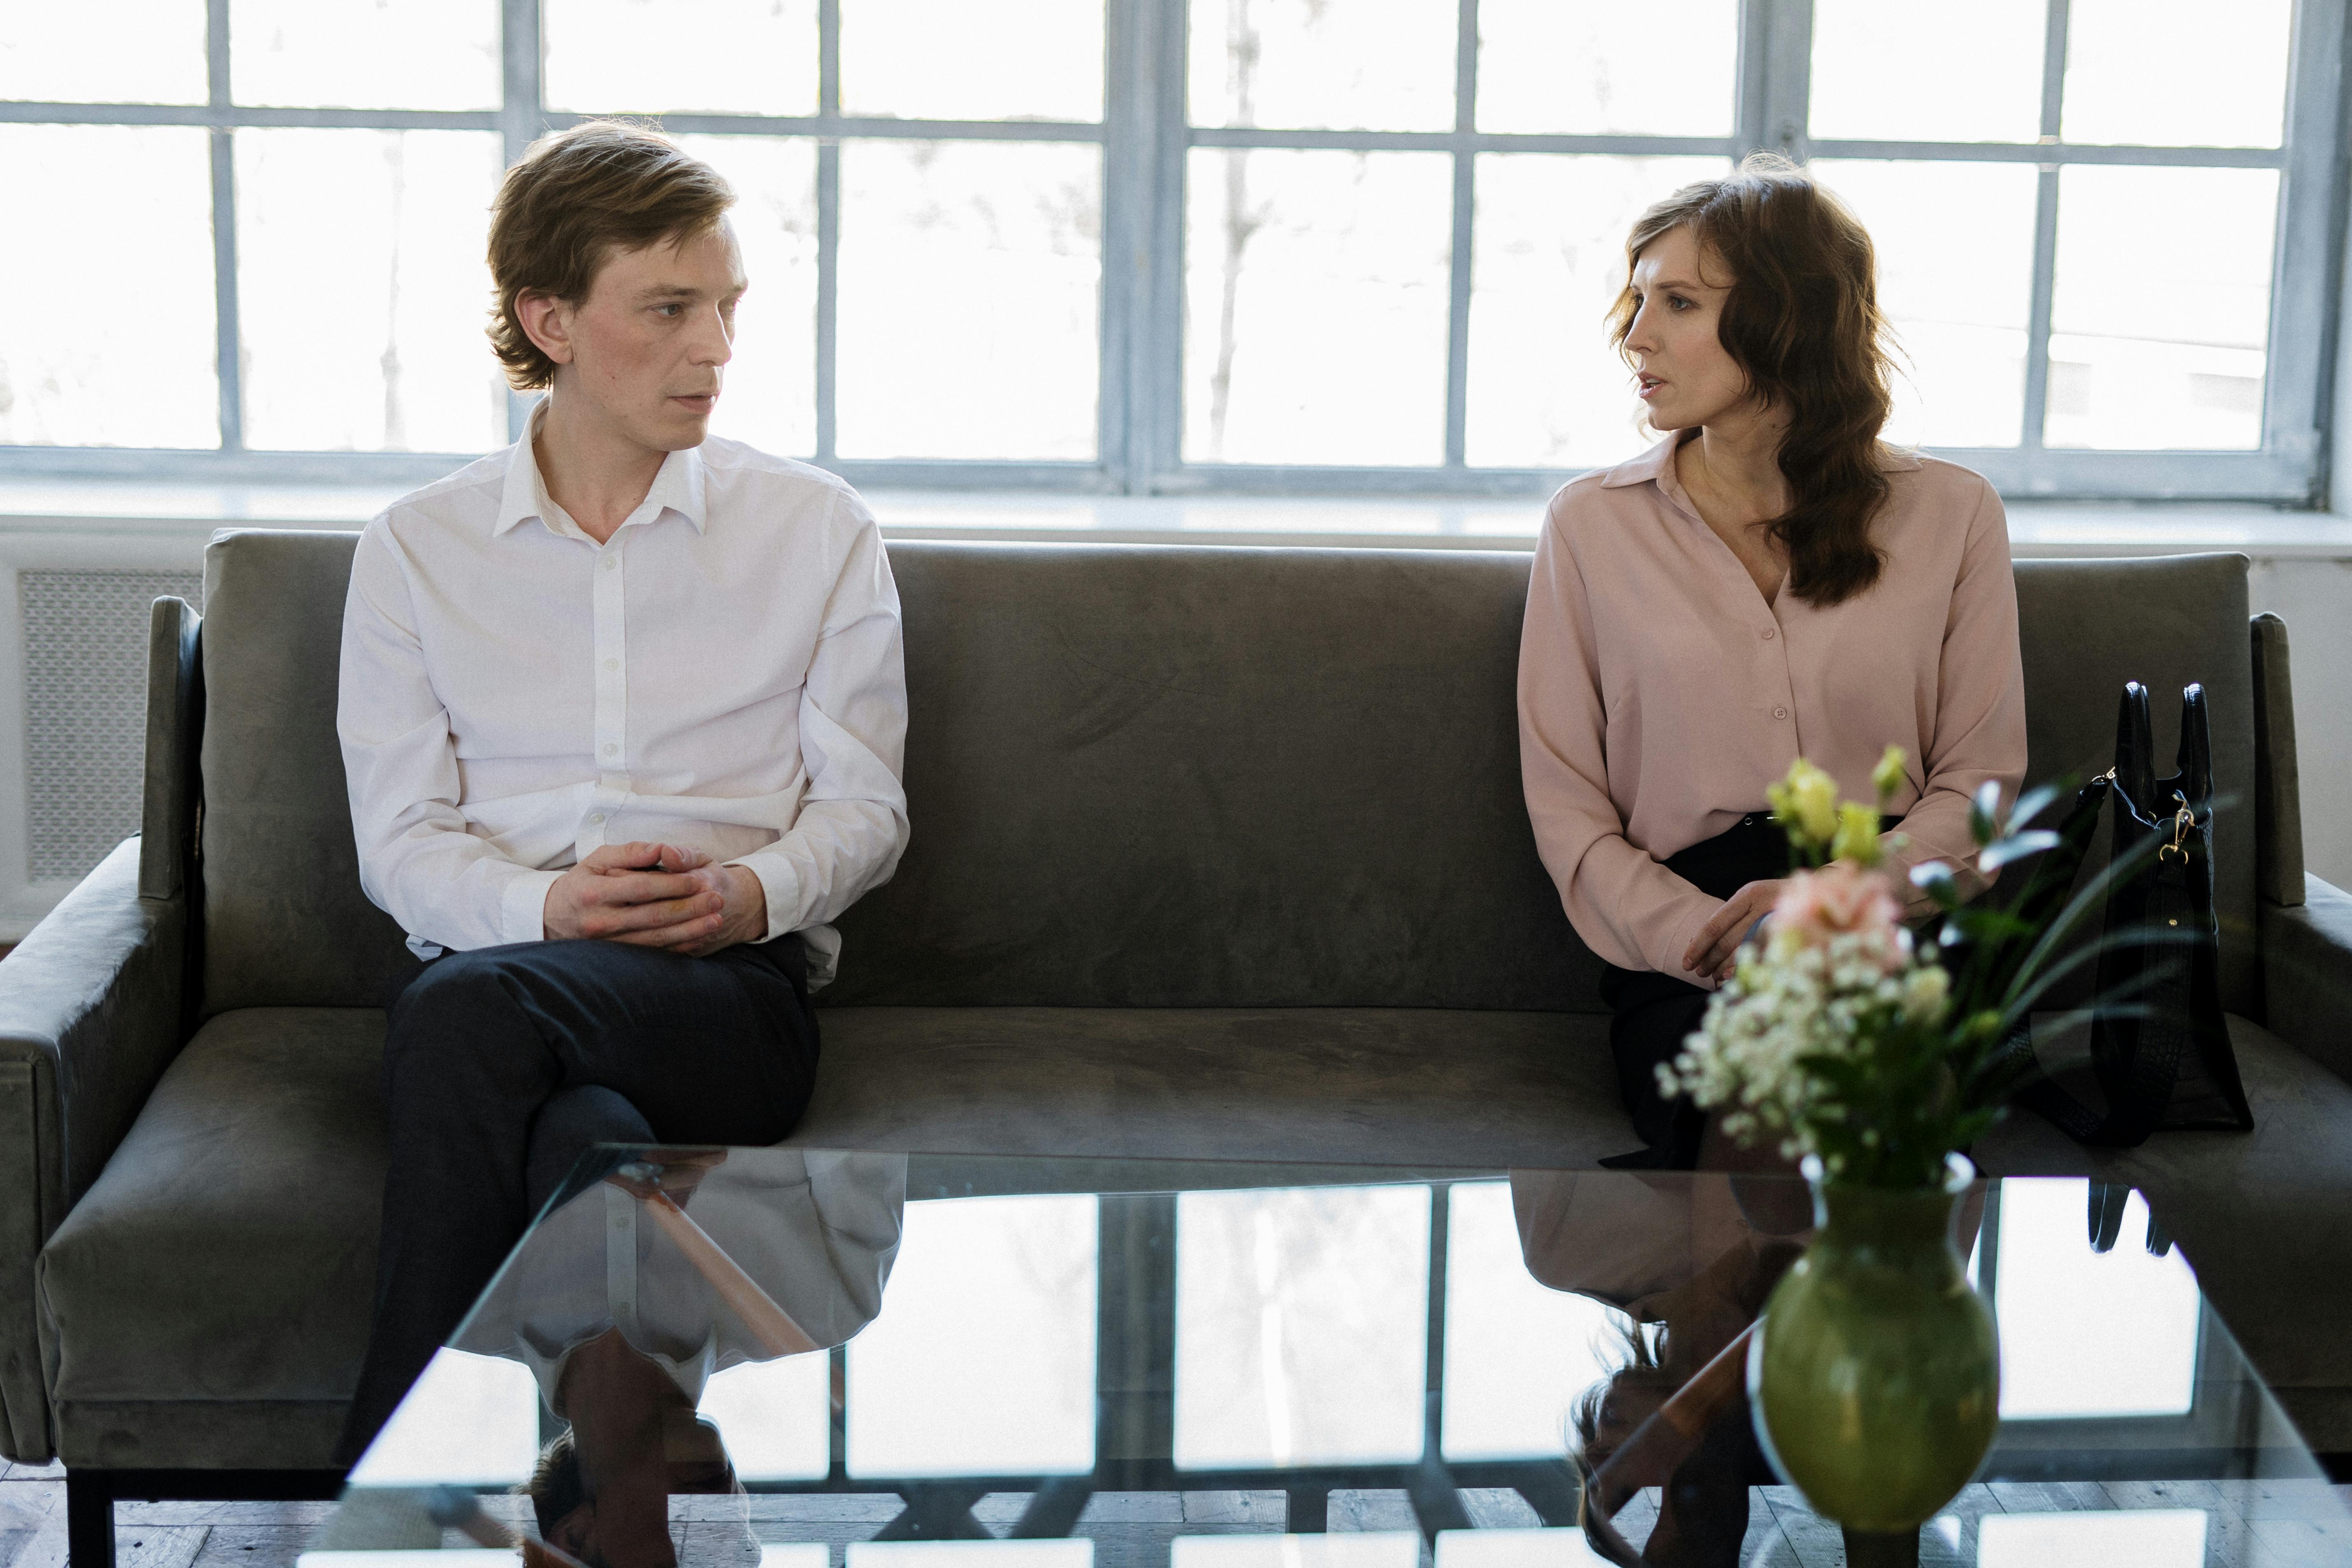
[1711, 951]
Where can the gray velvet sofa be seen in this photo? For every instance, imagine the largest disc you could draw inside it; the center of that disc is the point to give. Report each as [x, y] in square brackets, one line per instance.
[1216, 852]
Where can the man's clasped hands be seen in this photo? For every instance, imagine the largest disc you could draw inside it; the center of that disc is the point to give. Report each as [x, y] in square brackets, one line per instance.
[658, 895]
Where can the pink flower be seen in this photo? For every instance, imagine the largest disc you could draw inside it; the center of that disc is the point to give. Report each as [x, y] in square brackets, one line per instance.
[1841, 900]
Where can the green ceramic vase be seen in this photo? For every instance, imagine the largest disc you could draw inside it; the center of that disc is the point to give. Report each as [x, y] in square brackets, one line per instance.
[1875, 1378]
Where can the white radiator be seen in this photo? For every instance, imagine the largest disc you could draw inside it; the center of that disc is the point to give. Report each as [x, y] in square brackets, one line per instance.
[73, 698]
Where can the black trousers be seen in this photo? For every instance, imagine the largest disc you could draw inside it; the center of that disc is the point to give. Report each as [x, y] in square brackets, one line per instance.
[1652, 1014]
[503, 1064]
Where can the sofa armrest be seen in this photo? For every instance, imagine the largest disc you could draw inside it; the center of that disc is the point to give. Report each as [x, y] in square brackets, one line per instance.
[2307, 973]
[89, 1017]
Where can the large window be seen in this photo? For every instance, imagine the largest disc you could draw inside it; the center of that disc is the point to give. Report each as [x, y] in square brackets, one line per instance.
[1152, 246]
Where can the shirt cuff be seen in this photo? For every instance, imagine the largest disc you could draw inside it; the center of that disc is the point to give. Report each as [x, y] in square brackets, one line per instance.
[782, 884]
[522, 906]
[1684, 935]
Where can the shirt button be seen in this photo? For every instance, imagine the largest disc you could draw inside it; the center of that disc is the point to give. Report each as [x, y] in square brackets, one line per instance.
[612, 664]
[1769, 634]
[597, 817]
[610, 749]
[611, 562]
[1777, 713]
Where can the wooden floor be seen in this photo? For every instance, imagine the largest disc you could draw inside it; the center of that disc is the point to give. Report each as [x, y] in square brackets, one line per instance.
[2257, 1525]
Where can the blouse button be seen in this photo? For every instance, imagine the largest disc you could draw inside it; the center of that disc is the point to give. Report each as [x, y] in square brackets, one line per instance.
[612, 562]
[1780, 712]
[1769, 634]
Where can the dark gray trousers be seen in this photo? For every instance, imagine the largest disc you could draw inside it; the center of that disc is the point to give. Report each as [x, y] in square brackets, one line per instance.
[503, 1064]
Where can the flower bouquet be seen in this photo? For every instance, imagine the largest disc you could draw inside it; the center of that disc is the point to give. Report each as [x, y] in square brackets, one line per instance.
[1872, 1054]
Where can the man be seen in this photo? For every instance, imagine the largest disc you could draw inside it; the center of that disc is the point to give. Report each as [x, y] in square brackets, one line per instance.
[623, 712]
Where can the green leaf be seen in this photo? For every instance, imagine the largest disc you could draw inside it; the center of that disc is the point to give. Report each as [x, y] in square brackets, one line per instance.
[2016, 847]
[1984, 812]
[2034, 801]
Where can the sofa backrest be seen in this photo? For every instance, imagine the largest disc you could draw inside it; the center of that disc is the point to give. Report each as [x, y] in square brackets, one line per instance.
[1155, 776]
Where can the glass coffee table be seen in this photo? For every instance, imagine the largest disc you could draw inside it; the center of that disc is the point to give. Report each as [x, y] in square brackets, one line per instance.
[804, 1359]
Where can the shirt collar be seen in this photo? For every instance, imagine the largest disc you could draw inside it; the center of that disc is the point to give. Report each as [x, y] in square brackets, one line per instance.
[677, 486]
[1657, 464]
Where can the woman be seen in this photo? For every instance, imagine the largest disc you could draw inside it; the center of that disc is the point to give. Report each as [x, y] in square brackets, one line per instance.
[1769, 581]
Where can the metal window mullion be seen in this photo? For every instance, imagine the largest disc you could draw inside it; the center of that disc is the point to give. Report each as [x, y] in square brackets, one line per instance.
[521, 69]
[228, 357]
[1465, 208]
[2305, 312]
[2045, 230]
[1130, 127]
[1441, 1204]
[1160, 411]
[1773, 79]
[828, 226]
[522, 112]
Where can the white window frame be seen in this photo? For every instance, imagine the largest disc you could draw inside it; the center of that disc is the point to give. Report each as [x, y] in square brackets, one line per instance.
[1145, 138]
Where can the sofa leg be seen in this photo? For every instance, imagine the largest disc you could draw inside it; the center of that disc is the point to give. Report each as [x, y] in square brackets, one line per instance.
[89, 1519]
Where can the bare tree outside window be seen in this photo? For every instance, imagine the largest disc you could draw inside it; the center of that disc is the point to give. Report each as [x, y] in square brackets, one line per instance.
[1242, 48]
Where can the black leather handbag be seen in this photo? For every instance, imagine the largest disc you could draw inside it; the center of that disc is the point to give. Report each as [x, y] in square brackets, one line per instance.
[2159, 1049]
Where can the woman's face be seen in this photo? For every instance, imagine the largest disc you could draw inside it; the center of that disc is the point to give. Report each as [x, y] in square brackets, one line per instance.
[1687, 376]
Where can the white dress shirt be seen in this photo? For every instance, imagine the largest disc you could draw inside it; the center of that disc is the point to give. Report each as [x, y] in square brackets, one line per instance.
[817, 1231]
[724, 674]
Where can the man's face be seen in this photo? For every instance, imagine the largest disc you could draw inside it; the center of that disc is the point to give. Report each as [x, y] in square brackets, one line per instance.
[649, 346]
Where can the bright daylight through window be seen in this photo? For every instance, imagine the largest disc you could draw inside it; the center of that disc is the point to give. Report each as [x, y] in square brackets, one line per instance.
[1146, 244]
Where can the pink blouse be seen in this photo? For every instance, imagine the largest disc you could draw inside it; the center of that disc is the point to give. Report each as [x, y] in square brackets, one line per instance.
[1659, 693]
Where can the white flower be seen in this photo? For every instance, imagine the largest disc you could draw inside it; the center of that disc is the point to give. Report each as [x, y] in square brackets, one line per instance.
[1925, 991]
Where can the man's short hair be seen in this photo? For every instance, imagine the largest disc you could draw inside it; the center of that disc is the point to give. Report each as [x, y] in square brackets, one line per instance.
[573, 199]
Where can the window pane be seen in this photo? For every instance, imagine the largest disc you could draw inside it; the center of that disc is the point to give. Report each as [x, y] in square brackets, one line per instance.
[2146, 1538]
[1958, 293]
[362, 291]
[1302, 1326]
[2176, 72]
[2086, 1333]
[769, 399]
[363, 54]
[983, 1362]
[2161, 312]
[104, 51]
[1548, 258]
[1985, 84]
[1592, 69]
[112, 343]
[1315, 306]
[772, 1416]
[950, 60]
[971, 299]
[1518, 1355]
[1368, 65]
[744, 56]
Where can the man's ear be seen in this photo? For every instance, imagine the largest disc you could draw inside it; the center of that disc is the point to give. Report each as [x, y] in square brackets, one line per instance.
[547, 322]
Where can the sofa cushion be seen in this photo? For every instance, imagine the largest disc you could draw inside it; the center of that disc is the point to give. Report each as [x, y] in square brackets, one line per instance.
[228, 1251]
[1415, 1086]
[2265, 1217]
[284, 922]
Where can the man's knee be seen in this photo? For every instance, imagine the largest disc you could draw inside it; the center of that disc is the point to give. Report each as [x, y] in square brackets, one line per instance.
[459, 1010]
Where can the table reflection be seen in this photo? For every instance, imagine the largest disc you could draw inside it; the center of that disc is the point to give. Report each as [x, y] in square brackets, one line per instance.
[1530, 1369]
[664, 1299]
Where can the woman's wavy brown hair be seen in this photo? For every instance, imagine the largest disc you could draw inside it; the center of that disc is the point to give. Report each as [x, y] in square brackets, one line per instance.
[571, 200]
[1802, 322]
